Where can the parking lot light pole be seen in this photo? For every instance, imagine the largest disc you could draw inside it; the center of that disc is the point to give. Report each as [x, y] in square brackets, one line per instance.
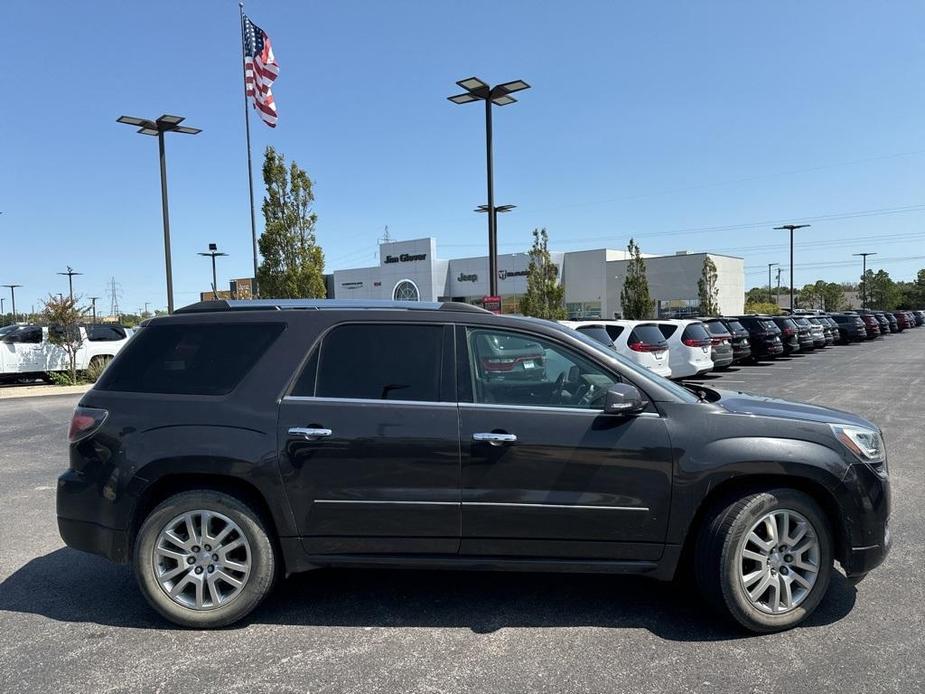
[70, 280]
[93, 306]
[214, 252]
[770, 265]
[791, 228]
[864, 278]
[164, 124]
[502, 209]
[12, 288]
[499, 95]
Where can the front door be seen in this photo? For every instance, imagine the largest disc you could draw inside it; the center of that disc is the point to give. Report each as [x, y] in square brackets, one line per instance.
[369, 441]
[545, 472]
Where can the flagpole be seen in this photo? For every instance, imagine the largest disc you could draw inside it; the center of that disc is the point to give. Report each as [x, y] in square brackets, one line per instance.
[250, 167]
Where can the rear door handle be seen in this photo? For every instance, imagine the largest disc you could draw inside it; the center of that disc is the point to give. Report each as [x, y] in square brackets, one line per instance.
[310, 433]
[493, 438]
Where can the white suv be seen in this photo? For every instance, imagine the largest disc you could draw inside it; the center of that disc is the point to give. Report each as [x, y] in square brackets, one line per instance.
[689, 345]
[26, 349]
[638, 340]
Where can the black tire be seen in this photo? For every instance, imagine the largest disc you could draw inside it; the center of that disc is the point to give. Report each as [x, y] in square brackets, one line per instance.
[259, 580]
[717, 564]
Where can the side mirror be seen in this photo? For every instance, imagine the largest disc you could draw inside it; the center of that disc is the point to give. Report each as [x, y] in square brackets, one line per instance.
[623, 398]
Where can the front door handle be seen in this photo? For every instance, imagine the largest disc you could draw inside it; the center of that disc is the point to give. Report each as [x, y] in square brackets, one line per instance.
[310, 433]
[493, 438]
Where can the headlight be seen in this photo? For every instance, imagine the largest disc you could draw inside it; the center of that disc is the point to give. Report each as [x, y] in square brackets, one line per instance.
[866, 444]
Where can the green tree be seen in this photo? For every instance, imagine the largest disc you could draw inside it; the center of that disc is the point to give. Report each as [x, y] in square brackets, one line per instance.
[808, 296]
[634, 297]
[833, 296]
[881, 291]
[545, 294]
[293, 263]
[761, 307]
[64, 319]
[707, 290]
[913, 293]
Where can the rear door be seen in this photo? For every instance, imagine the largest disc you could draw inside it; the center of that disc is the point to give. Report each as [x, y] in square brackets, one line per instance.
[545, 473]
[369, 441]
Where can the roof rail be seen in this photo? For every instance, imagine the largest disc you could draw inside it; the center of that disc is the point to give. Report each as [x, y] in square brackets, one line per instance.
[325, 305]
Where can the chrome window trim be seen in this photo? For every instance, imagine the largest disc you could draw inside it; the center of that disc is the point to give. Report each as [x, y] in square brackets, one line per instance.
[547, 408]
[368, 401]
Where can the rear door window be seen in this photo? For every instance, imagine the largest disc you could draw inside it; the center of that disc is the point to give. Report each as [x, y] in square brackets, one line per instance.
[203, 359]
[385, 362]
[667, 329]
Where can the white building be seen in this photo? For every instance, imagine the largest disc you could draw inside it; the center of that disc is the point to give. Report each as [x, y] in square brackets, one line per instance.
[593, 279]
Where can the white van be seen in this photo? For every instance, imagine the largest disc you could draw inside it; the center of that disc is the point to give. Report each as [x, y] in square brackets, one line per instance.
[25, 350]
[637, 340]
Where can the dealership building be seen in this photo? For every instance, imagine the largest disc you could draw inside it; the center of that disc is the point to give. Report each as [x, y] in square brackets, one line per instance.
[593, 279]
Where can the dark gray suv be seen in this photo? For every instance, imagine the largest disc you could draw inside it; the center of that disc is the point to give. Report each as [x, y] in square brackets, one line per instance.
[234, 443]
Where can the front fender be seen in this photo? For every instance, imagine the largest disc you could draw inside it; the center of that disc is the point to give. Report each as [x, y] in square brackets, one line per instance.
[764, 458]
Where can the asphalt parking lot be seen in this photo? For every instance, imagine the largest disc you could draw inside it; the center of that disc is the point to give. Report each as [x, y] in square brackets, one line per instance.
[76, 623]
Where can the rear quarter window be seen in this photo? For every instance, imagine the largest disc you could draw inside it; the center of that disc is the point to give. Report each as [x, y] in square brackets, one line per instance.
[204, 359]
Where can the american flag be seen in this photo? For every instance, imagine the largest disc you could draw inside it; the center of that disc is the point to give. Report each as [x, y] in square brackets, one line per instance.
[260, 70]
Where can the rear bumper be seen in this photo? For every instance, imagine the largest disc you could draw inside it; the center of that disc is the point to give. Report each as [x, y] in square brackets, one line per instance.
[95, 539]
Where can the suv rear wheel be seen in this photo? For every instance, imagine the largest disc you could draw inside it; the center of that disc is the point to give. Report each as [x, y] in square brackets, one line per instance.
[204, 559]
[766, 559]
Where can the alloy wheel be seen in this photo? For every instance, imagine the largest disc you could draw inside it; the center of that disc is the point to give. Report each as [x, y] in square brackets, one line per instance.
[778, 561]
[202, 559]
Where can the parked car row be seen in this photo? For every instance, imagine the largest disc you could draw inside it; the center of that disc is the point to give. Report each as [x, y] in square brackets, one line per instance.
[689, 348]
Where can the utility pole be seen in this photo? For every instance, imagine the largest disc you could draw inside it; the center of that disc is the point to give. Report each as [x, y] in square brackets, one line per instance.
[778, 287]
[12, 288]
[864, 278]
[70, 279]
[791, 228]
[770, 298]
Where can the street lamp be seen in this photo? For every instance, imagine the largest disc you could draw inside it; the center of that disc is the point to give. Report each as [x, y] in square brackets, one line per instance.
[502, 209]
[791, 228]
[70, 280]
[770, 265]
[864, 278]
[12, 288]
[213, 252]
[499, 95]
[164, 124]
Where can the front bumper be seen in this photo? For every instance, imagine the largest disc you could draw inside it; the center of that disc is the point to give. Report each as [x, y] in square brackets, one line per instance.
[865, 507]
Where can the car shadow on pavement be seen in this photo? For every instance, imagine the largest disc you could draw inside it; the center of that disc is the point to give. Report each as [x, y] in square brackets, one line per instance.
[71, 586]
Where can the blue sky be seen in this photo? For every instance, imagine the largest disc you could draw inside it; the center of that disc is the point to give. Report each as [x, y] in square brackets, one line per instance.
[687, 125]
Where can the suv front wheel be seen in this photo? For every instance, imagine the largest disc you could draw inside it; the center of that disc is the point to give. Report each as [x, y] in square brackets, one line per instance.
[766, 559]
[204, 559]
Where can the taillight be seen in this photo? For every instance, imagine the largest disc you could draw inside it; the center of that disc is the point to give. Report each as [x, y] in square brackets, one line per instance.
[691, 342]
[84, 422]
[646, 347]
[789, 332]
